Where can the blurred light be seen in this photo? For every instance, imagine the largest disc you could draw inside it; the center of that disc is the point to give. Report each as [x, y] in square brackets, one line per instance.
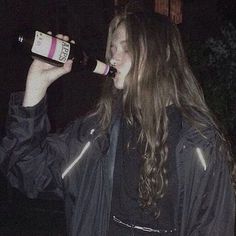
[170, 8]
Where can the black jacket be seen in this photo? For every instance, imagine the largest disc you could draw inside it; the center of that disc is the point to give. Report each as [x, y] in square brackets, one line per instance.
[37, 162]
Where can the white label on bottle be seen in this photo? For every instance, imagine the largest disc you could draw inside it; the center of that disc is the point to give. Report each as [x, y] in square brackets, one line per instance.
[101, 68]
[50, 47]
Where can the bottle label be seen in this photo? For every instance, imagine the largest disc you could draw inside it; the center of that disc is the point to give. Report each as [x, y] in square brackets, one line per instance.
[51, 47]
[101, 68]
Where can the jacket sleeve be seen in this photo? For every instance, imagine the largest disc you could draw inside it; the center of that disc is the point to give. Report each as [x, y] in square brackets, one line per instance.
[208, 195]
[30, 157]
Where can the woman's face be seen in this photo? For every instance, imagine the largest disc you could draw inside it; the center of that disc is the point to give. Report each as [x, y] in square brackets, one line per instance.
[120, 57]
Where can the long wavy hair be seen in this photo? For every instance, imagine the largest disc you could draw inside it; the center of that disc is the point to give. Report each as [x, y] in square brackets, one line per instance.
[159, 75]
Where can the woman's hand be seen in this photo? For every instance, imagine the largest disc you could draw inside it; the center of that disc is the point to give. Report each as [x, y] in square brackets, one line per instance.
[41, 75]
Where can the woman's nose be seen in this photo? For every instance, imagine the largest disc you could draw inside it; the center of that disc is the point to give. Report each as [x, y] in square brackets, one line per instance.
[116, 57]
[113, 61]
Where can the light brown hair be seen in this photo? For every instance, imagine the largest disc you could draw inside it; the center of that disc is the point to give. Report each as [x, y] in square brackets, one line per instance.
[159, 75]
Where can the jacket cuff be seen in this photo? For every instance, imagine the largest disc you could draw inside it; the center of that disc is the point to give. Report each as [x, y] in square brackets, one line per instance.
[15, 106]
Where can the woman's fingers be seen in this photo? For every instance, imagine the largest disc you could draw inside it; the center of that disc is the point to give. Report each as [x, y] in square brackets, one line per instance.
[65, 38]
[62, 37]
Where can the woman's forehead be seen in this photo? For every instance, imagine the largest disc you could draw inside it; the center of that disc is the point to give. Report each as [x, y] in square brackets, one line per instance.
[119, 33]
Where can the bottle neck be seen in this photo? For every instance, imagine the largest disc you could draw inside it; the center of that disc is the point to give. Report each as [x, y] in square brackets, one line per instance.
[111, 72]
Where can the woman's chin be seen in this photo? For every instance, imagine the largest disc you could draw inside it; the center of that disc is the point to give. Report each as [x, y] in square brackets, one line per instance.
[118, 84]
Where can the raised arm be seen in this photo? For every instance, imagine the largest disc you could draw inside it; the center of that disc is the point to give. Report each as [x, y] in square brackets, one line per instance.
[40, 76]
[30, 157]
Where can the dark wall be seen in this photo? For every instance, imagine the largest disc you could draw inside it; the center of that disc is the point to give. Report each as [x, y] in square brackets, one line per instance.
[84, 21]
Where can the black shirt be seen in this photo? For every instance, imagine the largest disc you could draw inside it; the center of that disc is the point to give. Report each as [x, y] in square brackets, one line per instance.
[125, 198]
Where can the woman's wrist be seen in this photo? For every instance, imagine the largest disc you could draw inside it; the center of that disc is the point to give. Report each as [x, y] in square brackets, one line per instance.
[33, 96]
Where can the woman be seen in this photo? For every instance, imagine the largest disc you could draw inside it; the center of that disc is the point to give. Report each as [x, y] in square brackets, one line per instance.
[149, 161]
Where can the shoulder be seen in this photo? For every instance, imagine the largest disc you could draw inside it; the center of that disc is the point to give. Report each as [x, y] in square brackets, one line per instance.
[202, 144]
[81, 128]
[198, 127]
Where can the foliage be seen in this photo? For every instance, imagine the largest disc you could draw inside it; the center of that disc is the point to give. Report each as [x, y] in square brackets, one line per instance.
[214, 64]
[221, 87]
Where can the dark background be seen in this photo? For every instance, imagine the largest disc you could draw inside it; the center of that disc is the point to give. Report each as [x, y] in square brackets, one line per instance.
[86, 21]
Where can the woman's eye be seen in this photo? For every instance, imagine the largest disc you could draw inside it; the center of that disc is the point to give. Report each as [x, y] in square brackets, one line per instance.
[112, 48]
[126, 50]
